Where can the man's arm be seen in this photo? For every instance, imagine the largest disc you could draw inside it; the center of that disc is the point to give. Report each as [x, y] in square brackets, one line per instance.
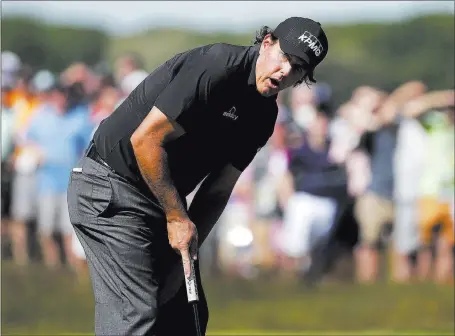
[431, 100]
[400, 96]
[148, 144]
[211, 199]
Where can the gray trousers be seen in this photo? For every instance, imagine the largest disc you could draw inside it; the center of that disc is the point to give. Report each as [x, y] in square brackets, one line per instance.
[137, 277]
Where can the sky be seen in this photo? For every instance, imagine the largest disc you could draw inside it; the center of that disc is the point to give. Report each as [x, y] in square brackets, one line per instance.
[123, 18]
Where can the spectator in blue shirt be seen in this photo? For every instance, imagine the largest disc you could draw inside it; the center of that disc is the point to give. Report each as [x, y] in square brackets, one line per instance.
[61, 131]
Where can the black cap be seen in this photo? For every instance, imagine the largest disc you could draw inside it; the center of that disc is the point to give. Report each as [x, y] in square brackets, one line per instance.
[303, 38]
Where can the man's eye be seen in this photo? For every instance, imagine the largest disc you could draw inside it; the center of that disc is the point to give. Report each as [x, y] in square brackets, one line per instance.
[287, 57]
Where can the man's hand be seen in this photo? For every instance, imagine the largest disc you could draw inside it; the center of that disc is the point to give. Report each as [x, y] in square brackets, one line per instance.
[183, 238]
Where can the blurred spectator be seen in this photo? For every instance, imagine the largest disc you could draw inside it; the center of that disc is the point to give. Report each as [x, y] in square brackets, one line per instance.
[104, 104]
[269, 168]
[302, 106]
[80, 73]
[408, 168]
[25, 159]
[7, 125]
[234, 231]
[129, 72]
[11, 65]
[317, 184]
[7, 150]
[60, 132]
[375, 208]
[435, 111]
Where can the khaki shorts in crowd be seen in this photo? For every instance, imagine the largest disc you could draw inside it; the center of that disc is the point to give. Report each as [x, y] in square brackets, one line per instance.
[373, 212]
[434, 212]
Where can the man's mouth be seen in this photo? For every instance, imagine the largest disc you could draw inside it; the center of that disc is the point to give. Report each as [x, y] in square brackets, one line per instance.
[274, 83]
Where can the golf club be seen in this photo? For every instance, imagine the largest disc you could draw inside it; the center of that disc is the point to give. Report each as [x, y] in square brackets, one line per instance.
[193, 296]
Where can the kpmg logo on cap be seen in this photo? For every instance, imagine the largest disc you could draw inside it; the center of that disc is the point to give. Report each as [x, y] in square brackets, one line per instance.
[312, 42]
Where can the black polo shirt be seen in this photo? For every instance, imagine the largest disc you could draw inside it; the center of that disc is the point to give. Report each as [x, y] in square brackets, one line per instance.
[211, 92]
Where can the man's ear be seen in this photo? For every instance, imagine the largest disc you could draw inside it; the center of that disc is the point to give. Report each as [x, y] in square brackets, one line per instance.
[266, 42]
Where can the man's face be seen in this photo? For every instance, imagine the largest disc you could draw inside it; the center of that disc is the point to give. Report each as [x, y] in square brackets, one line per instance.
[58, 99]
[123, 66]
[275, 70]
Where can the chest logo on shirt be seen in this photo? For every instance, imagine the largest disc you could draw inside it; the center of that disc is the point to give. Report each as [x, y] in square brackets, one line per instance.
[231, 113]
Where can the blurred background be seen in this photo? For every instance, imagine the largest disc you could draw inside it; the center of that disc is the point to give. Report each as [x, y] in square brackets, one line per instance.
[344, 222]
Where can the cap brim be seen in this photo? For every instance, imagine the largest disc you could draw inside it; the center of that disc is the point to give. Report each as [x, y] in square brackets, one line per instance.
[288, 48]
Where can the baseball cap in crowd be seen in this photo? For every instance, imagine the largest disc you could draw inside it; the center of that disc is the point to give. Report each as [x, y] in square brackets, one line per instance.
[303, 38]
[43, 81]
[11, 63]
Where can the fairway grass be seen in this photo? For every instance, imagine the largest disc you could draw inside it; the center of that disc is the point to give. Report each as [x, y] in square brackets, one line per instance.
[36, 301]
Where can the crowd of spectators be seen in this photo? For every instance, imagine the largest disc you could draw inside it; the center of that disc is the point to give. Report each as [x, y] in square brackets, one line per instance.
[376, 171]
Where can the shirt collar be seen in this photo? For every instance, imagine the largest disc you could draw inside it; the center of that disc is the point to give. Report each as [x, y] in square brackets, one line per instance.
[253, 54]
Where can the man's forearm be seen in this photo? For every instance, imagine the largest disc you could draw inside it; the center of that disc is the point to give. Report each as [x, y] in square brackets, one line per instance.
[205, 210]
[154, 169]
[211, 199]
[431, 100]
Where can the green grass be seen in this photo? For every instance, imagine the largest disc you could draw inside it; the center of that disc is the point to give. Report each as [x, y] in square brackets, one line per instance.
[36, 301]
[324, 333]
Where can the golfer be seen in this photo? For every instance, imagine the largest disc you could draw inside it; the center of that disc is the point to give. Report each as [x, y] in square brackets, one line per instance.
[202, 115]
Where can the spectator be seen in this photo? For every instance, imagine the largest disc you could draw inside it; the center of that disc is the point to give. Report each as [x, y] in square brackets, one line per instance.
[435, 111]
[11, 66]
[408, 168]
[317, 185]
[129, 72]
[7, 150]
[7, 124]
[104, 104]
[374, 209]
[80, 73]
[268, 168]
[233, 233]
[25, 160]
[60, 132]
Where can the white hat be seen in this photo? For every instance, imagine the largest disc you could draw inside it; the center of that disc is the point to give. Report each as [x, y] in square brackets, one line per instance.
[10, 62]
[132, 80]
[43, 80]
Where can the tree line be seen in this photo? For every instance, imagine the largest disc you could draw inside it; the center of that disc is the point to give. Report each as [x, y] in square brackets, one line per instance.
[382, 55]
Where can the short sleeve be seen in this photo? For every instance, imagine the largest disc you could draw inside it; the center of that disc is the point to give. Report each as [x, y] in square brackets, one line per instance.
[242, 159]
[253, 140]
[186, 97]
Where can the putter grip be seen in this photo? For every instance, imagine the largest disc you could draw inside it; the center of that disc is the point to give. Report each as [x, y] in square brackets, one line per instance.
[191, 284]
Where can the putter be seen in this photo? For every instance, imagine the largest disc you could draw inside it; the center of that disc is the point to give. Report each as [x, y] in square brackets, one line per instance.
[193, 296]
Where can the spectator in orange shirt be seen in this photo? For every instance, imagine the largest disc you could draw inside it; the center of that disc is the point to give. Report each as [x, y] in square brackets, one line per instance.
[25, 160]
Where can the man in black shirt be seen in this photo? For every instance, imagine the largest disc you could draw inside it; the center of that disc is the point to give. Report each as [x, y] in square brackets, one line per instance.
[202, 115]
